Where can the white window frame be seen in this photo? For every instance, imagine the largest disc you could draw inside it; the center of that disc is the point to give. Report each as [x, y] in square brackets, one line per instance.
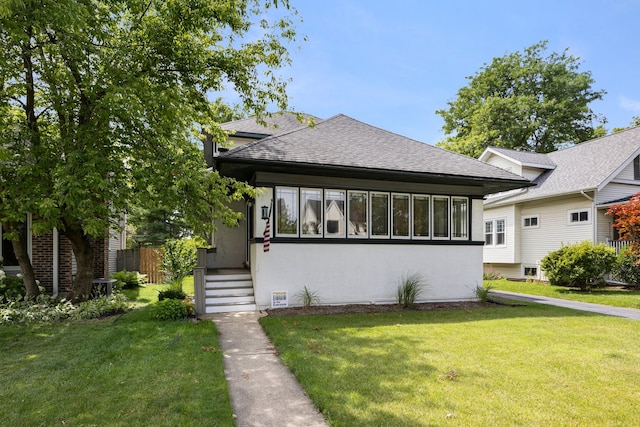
[422, 197]
[433, 217]
[494, 232]
[579, 211]
[297, 212]
[380, 236]
[465, 218]
[529, 217]
[321, 219]
[535, 267]
[366, 219]
[409, 219]
[344, 233]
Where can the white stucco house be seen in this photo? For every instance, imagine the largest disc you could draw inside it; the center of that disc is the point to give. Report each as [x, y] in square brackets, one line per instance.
[574, 187]
[352, 208]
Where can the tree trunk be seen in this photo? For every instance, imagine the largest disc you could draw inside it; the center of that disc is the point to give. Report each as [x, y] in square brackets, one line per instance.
[83, 252]
[20, 250]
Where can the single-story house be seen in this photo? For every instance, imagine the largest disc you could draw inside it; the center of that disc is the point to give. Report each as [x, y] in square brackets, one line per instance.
[350, 209]
[574, 188]
[53, 261]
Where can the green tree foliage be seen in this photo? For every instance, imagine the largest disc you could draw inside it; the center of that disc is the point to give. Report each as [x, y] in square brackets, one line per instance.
[581, 265]
[635, 121]
[104, 101]
[523, 101]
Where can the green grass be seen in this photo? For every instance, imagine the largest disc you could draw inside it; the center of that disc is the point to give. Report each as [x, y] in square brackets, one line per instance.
[501, 366]
[118, 371]
[616, 297]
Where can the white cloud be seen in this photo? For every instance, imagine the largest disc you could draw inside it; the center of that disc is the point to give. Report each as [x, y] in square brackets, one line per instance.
[632, 105]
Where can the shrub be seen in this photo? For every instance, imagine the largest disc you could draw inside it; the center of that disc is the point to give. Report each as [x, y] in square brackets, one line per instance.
[172, 309]
[179, 257]
[409, 289]
[627, 269]
[482, 292]
[308, 297]
[129, 279]
[581, 265]
[492, 275]
[171, 293]
[11, 288]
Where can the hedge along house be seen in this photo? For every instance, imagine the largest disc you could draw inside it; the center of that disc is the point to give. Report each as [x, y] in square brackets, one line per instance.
[351, 209]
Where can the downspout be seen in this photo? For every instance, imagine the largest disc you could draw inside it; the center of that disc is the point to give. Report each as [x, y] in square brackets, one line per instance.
[56, 262]
[594, 212]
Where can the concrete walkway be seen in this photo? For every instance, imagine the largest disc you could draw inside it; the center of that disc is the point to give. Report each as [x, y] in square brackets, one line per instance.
[629, 313]
[264, 393]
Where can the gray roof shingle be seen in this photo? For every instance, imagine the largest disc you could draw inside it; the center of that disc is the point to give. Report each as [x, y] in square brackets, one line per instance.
[525, 158]
[275, 123]
[342, 141]
[585, 166]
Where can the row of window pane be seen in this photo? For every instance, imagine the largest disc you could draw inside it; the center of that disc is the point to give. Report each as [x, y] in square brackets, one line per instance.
[494, 232]
[364, 214]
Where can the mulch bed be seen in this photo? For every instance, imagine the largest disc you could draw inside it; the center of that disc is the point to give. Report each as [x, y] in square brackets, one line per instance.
[374, 308]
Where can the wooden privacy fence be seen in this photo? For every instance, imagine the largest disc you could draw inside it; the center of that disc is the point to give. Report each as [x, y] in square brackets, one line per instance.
[145, 260]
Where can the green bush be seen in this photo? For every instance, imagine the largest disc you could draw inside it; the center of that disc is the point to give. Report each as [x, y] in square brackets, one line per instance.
[11, 288]
[172, 309]
[581, 265]
[179, 257]
[129, 279]
[409, 289]
[627, 269]
[171, 293]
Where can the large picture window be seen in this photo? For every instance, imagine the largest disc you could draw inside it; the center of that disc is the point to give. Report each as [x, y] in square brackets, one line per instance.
[440, 217]
[357, 209]
[335, 220]
[400, 219]
[379, 215]
[311, 212]
[304, 212]
[287, 211]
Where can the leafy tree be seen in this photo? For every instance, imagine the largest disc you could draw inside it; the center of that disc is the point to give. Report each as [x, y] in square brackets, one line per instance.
[104, 101]
[523, 101]
[626, 218]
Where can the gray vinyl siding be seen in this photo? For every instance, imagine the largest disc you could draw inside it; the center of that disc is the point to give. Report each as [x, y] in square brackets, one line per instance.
[510, 252]
[615, 191]
[505, 164]
[604, 230]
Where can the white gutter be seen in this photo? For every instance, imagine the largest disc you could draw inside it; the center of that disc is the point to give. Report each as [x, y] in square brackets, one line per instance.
[56, 262]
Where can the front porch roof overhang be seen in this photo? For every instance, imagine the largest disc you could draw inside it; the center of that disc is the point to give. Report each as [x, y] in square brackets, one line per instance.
[244, 170]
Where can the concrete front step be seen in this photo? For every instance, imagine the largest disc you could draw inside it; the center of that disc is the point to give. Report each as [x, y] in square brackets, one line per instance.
[227, 277]
[231, 299]
[228, 284]
[226, 292]
[227, 308]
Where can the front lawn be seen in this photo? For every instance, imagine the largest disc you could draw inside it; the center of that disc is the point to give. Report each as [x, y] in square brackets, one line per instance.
[123, 370]
[501, 366]
[613, 296]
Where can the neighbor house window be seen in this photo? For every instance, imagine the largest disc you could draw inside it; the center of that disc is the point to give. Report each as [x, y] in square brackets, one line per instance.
[400, 219]
[335, 220]
[579, 217]
[420, 216]
[459, 217]
[531, 271]
[531, 221]
[357, 211]
[311, 212]
[440, 217]
[495, 232]
[286, 211]
[379, 214]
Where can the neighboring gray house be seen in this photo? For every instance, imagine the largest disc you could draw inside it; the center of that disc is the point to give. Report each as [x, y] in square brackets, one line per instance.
[353, 208]
[574, 187]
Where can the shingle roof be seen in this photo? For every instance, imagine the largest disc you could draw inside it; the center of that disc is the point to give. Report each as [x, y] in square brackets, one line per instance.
[586, 166]
[525, 158]
[343, 142]
[276, 123]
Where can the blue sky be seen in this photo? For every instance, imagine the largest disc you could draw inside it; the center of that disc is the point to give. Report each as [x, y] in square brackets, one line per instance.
[393, 64]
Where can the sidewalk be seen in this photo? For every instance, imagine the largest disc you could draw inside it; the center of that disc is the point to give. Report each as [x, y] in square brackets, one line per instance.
[629, 313]
[263, 391]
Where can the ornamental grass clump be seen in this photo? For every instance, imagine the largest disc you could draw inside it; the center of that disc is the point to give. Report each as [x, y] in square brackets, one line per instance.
[308, 297]
[409, 290]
